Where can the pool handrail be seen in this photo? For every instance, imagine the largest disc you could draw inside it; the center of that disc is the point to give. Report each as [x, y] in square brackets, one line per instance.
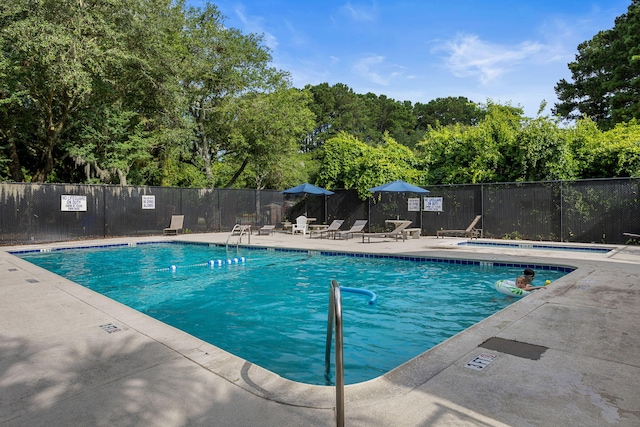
[335, 314]
[241, 230]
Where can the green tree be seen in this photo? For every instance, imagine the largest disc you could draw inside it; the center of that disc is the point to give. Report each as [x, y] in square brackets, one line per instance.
[340, 161]
[386, 115]
[61, 59]
[544, 152]
[504, 146]
[447, 111]
[267, 134]
[337, 109]
[220, 65]
[385, 162]
[613, 153]
[351, 163]
[484, 153]
[606, 75]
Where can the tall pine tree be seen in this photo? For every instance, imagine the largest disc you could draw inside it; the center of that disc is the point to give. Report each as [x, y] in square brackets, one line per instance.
[606, 75]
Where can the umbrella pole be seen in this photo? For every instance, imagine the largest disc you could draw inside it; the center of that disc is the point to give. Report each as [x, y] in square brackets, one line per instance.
[326, 215]
[369, 214]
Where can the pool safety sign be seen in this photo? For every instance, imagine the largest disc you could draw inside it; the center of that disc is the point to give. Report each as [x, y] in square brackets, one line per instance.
[148, 202]
[413, 204]
[72, 203]
[433, 204]
[481, 361]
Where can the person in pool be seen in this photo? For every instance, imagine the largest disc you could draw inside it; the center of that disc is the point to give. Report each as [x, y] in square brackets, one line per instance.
[522, 283]
[529, 274]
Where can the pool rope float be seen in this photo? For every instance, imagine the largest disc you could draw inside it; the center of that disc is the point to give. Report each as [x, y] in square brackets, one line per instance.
[508, 287]
[211, 263]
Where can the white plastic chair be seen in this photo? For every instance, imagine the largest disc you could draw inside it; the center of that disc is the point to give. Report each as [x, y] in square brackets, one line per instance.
[300, 225]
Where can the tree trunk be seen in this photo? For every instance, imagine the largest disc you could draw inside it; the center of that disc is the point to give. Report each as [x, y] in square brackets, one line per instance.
[53, 132]
[122, 177]
[46, 159]
[235, 176]
[14, 164]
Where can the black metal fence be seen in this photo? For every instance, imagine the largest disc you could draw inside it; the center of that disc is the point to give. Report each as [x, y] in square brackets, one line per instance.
[32, 213]
[570, 211]
[587, 211]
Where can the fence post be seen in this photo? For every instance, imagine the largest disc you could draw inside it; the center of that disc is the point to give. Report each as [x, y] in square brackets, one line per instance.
[561, 213]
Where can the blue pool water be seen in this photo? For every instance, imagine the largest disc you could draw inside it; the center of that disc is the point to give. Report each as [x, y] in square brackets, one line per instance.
[271, 309]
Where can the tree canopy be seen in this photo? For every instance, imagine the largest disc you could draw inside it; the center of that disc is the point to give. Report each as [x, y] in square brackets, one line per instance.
[606, 75]
[149, 92]
[141, 92]
[351, 163]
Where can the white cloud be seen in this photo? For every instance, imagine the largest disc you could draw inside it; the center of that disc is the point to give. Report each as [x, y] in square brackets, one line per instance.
[253, 24]
[295, 37]
[468, 56]
[360, 13]
[373, 69]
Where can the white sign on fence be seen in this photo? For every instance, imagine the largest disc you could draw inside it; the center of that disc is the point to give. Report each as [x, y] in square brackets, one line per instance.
[71, 203]
[413, 204]
[433, 204]
[148, 202]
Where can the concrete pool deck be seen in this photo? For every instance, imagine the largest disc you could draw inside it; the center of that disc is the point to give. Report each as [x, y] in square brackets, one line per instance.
[568, 355]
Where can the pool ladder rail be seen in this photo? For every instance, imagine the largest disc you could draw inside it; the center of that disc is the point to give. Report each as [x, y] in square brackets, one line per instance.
[239, 230]
[335, 316]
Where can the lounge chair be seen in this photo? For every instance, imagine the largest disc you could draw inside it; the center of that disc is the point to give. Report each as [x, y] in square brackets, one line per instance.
[396, 233]
[267, 229]
[329, 230]
[300, 225]
[470, 232]
[176, 225]
[632, 235]
[357, 227]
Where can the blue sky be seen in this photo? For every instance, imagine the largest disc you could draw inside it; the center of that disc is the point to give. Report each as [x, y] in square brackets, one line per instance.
[509, 51]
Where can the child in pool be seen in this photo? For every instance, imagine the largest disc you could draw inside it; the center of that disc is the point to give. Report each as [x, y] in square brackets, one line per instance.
[522, 283]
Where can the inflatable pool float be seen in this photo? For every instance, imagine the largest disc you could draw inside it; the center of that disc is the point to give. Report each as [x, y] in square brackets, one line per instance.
[508, 287]
[373, 297]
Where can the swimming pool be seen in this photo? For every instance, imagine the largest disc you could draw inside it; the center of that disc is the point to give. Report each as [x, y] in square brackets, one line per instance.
[516, 245]
[271, 309]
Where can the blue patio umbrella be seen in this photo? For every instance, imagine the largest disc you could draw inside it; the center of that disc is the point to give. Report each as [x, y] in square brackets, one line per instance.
[399, 186]
[307, 188]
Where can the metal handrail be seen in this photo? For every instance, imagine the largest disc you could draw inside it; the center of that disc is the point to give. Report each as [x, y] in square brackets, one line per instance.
[335, 314]
[242, 229]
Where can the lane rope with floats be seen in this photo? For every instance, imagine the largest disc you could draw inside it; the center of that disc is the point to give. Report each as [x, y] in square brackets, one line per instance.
[212, 263]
